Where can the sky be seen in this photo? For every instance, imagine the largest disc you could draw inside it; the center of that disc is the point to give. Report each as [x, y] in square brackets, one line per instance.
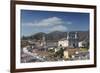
[33, 21]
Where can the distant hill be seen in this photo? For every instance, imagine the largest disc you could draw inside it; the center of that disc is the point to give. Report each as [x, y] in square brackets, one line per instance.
[57, 35]
[83, 35]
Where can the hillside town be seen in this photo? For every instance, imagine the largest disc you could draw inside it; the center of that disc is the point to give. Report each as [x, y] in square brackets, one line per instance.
[67, 48]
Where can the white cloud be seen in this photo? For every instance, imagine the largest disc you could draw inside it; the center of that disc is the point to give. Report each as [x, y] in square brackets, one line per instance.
[59, 28]
[68, 22]
[47, 25]
[53, 21]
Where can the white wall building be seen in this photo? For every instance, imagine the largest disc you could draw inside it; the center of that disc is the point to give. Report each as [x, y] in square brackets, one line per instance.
[83, 43]
[63, 42]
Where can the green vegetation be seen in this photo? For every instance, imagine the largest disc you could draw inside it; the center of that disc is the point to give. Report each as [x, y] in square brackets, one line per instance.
[51, 50]
[84, 49]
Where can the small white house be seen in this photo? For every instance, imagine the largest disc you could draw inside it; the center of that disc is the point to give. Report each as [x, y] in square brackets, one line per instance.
[63, 42]
[82, 43]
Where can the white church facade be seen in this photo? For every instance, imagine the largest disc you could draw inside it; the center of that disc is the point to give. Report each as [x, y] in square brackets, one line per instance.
[70, 41]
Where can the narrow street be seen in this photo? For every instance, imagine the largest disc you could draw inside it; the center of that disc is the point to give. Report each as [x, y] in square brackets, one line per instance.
[31, 56]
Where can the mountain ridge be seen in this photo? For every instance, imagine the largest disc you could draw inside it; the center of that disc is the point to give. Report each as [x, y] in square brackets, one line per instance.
[57, 35]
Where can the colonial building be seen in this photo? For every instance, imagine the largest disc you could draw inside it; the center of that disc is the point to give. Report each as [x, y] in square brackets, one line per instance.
[70, 41]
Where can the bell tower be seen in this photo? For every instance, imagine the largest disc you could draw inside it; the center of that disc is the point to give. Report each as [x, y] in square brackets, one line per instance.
[72, 38]
[76, 40]
[44, 41]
